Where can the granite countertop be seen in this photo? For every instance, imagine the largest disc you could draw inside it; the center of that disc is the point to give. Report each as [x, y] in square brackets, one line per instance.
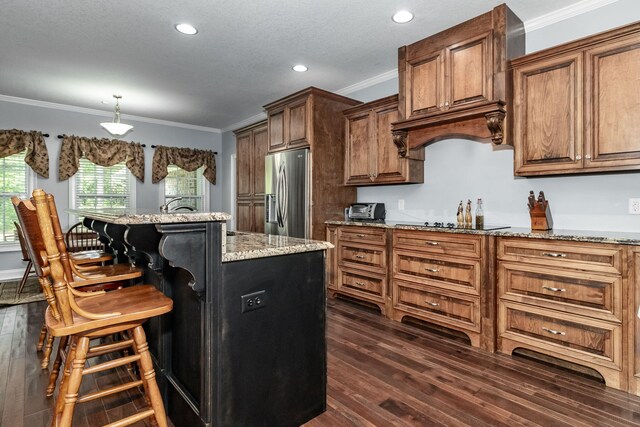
[616, 237]
[241, 246]
[148, 216]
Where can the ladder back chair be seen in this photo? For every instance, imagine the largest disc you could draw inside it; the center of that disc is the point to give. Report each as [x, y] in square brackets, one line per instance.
[81, 317]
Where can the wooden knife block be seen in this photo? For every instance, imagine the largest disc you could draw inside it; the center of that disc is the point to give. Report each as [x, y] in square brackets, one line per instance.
[541, 217]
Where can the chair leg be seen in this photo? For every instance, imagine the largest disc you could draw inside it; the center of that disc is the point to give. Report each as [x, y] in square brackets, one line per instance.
[25, 276]
[43, 336]
[74, 380]
[64, 382]
[46, 357]
[55, 370]
[148, 376]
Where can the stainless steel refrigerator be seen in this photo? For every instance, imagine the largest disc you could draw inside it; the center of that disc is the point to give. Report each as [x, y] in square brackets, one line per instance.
[287, 199]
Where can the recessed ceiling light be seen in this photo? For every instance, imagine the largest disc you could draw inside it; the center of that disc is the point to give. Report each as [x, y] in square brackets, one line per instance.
[402, 17]
[186, 29]
[300, 68]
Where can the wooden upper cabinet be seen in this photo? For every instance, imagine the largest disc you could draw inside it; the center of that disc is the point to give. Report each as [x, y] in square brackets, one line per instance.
[469, 71]
[455, 83]
[613, 104]
[260, 147]
[371, 157]
[251, 149]
[575, 106]
[289, 125]
[548, 115]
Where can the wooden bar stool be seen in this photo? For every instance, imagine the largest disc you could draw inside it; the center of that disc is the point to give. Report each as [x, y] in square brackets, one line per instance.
[82, 316]
[86, 277]
[25, 257]
[84, 246]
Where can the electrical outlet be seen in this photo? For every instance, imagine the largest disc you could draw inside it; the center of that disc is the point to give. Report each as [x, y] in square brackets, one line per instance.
[634, 206]
[254, 301]
[400, 204]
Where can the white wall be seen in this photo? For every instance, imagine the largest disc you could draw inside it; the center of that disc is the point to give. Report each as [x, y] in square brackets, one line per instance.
[55, 122]
[458, 169]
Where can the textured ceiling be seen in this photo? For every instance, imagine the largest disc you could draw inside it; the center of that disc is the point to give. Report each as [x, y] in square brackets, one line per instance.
[79, 52]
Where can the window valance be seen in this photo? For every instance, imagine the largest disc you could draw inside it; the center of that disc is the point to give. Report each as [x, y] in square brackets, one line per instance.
[102, 152]
[188, 159]
[15, 141]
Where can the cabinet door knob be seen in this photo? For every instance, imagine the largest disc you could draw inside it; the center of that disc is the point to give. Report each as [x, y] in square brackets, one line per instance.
[433, 304]
[554, 332]
[588, 156]
[359, 235]
[433, 270]
[360, 256]
[432, 243]
[441, 105]
[578, 157]
[446, 104]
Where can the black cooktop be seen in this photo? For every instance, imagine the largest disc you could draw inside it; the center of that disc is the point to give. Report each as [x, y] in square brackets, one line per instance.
[450, 225]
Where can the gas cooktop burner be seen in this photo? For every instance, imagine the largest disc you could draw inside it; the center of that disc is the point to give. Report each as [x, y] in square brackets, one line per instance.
[440, 224]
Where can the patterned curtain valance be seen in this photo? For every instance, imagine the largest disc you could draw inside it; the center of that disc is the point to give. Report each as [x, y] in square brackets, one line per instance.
[16, 141]
[102, 152]
[188, 159]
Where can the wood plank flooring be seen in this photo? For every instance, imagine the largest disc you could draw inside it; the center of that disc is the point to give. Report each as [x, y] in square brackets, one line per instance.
[381, 373]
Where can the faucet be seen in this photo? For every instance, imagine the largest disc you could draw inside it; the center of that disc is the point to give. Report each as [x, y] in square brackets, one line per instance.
[165, 208]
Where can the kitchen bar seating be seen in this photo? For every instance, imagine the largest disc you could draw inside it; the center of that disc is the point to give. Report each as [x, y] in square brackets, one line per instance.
[98, 278]
[82, 316]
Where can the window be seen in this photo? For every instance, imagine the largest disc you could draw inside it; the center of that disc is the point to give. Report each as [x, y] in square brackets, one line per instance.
[16, 179]
[191, 186]
[97, 187]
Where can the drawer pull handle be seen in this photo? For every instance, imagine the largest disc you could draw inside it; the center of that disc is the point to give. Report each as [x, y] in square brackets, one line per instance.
[433, 304]
[433, 270]
[360, 256]
[554, 332]
[552, 289]
[361, 284]
[554, 254]
[432, 243]
[359, 235]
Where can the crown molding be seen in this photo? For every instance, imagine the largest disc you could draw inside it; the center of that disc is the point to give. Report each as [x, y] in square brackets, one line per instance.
[246, 122]
[380, 78]
[565, 13]
[93, 112]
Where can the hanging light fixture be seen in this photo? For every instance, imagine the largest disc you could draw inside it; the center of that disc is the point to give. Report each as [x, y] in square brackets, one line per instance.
[116, 128]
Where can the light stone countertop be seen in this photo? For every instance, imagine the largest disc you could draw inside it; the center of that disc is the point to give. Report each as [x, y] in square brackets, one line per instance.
[613, 237]
[148, 216]
[240, 246]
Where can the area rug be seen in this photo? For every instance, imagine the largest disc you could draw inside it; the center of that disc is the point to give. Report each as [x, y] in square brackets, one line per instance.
[30, 293]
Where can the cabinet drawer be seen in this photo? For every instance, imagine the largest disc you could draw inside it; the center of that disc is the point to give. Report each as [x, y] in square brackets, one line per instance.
[359, 283]
[434, 304]
[371, 258]
[458, 274]
[587, 294]
[438, 242]
[562, 335]
[376, 236]
[603, 258]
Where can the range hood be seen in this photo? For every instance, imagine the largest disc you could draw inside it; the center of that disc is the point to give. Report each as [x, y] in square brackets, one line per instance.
[456, 83]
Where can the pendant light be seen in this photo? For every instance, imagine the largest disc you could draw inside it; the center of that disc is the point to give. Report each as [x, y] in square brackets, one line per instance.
[116, 128]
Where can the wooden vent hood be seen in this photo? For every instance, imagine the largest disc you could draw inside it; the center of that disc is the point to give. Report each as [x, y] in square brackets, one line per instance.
[455, 83]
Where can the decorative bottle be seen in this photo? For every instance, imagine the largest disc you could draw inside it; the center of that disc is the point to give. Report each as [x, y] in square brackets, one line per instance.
[479, 215]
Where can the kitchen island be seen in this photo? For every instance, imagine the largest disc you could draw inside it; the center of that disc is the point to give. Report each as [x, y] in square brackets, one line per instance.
[245, 343]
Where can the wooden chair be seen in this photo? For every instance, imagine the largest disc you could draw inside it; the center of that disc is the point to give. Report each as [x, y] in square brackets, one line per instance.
[86, 277]
[82, 316]
[85, 246]
[25, 257]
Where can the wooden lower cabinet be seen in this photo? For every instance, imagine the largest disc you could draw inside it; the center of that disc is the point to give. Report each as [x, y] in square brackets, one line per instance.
[634, 320]
[566, 300]
[360, 270]
[441, 278]
[331, 262]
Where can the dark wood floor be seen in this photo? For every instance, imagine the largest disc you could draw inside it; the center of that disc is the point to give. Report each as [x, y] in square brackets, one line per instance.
[381, 373]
